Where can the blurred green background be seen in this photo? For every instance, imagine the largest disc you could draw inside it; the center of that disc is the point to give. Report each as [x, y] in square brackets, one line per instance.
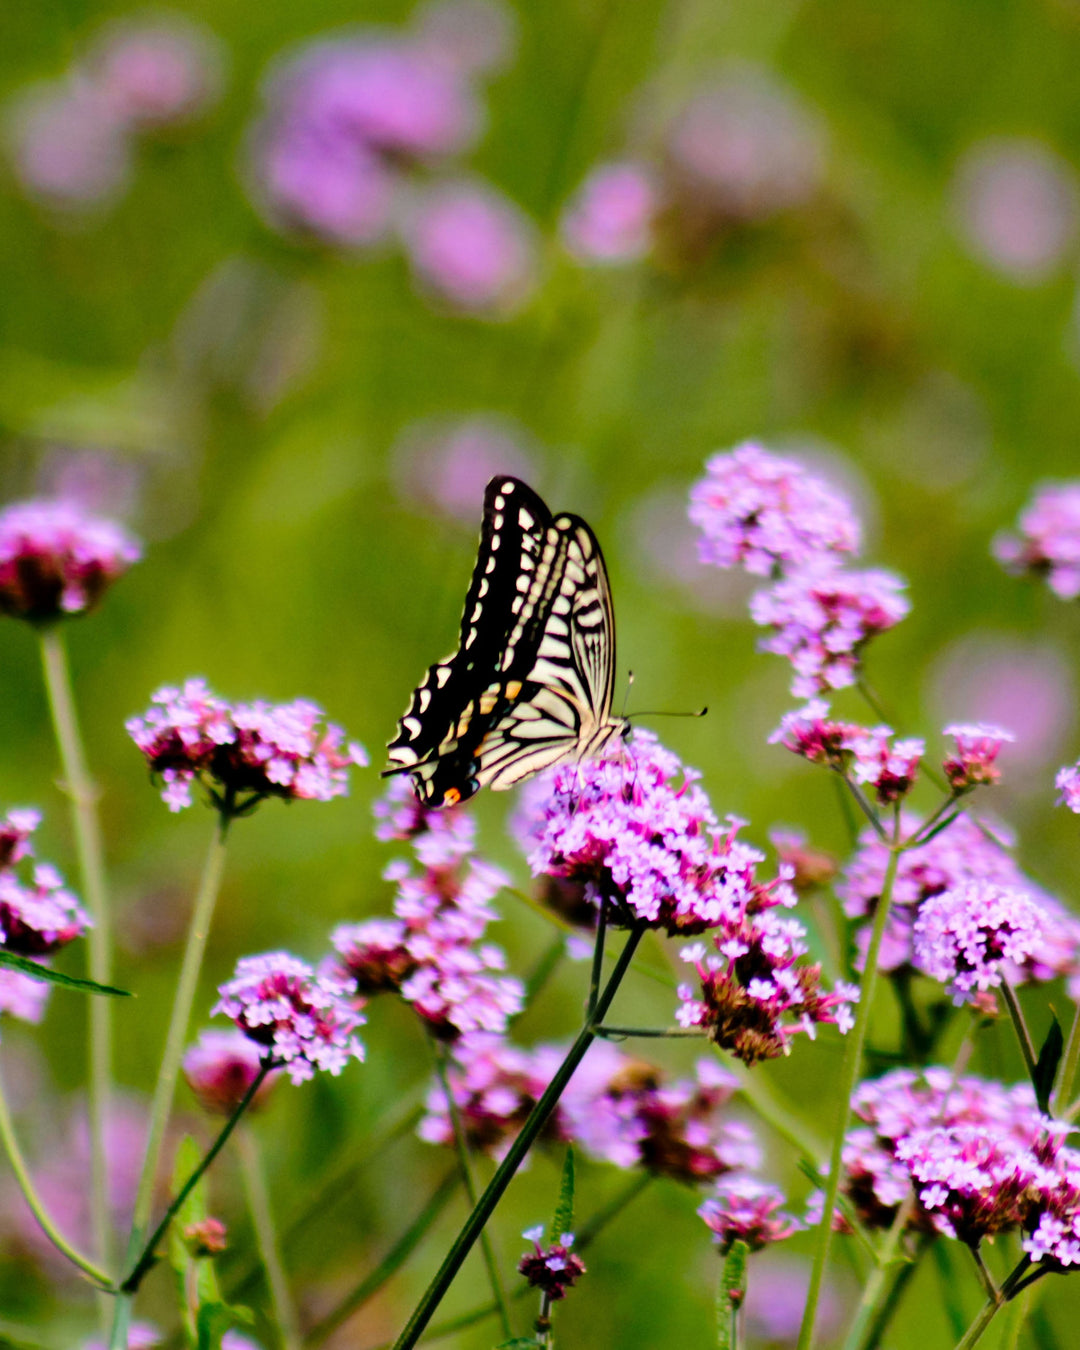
[257, 389]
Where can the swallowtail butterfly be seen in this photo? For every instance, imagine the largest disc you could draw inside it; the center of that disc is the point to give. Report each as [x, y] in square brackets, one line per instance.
[531, 682]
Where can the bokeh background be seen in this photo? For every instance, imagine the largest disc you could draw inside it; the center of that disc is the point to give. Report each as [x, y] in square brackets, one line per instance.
[848, 231]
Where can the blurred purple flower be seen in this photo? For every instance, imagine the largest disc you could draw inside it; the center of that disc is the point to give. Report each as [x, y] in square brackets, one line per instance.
[745, 1209]
[443, 465]
[56, 560]
[1048, 542]
[963, 936]
[373, 957]
[553, 1269]
[333, 186]
[471, 247]
[220, 1067]
[22, 996]
[1067, 783]
[776, 1297]
[16, 829]
[1016, 206]
[37, 919]
[301, 1020]
[609, 219]
[157, 69]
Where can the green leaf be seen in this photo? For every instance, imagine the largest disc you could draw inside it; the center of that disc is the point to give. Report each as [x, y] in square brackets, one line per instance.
[563, 1221]
[214, 1320]
[1046, 1066]
[730, 1296]
[196, 1279]
[40, 972]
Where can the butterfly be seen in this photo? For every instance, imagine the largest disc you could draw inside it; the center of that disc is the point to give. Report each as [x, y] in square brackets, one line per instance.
[531, 683]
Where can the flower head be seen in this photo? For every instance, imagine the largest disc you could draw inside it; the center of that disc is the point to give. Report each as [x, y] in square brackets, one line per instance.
[22, 996]
[609, 220]
[973, 762]
[373, 956]
[1067, 782]
[221, 1066]
[640, 834]
[745, 1209]
[40, 915]
[1048, 541]
[57, 560]
[301, 1020]
[553, 1269]
[867, 754]
[156, 72]
[768, 515]
[241, 752]
[963, 936]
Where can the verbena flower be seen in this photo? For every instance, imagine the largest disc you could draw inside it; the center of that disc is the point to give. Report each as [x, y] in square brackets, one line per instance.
[221, 1066]
[301, 1020]
[868, 755]
[973, 763]
[767, 514]
[1048, 541]
[437, 836]
[964, 852]
[964, 936]
[22, 996]
[552, 1269]
[745, 1209]
[241, 753]
[609, 219]
[373, 956]
[56, 560]
[640, 835]
[822, 617]
[810, 867]
[157, 71]
[1067, 782]
[40, 915]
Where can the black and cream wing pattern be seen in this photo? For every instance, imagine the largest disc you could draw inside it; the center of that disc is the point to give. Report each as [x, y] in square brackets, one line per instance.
[531, 682]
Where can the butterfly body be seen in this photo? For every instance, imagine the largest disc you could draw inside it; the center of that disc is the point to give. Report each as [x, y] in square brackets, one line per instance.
[531, 683]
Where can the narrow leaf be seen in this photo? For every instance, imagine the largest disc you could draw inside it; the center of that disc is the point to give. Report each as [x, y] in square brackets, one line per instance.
[563, 1221]
[730, 1296]
[1046, 1066]
[40, 972]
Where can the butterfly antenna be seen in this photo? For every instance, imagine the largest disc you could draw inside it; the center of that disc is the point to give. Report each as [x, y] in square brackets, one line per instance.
[666, 712]
[629, 685]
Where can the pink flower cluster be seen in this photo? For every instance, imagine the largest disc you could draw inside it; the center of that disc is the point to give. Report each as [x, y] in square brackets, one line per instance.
[746, 1209]
[867, 754]
[243, 752]
[351, 138]
[72, 139]
[773, 518]
[963, 937]
[553, 1269]
[495, 1085]
[1048, 540]
[57, 560]
[432, 952]
[301, 1020]
[964, 852]
[1067, 782]
[639, 834]
[609, 220]
[221, 1066]
[973, 762]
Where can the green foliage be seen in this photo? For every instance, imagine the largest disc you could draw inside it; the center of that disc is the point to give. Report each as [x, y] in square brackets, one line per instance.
[50, 976]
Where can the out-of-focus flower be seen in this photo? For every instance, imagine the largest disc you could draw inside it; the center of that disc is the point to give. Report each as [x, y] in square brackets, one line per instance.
[963, 936]
[22, 996]
[810, 867]
[640, 834]
[964, 852]
[301, 1020]
[221, 1066]
[68, 146]
[15, 831]
[776, 1297]
[241, 753]
[1048, 542]
[822, 617]
[1067, 782]
[974, 761]
[57, 560]
[208, 1237]
[1016, 203]
[444, 466]
[472, 248]
[373, 956]
[140, 1336]
[235, 1340]
[745, 1209]
[37, 919]
[553, 1269]
[609, 219]
[768, 515]
[157, 70]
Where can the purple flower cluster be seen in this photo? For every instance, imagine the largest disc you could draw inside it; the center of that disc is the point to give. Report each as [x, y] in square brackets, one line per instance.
[221, 1066]
[746, 1209]
[301, 1020]
[963, 937]
[57, 560]
[553, 1269]
[1048, 540]
[72, 139]
[432, 952]
[357, 134]
[867, 754]
[609, 220]
[1067, 782]
[243, 752]
[965, 852]
[973, 763]
[639, 834]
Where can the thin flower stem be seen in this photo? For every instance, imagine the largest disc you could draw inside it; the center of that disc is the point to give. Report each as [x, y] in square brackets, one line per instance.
[83, 795]
[852, 1066]
[1027, 1047]
[1014, 1282]
[878, 1288]
[536, 1121]
[198, 932]
[1069, 1061]
[651, 1033]
[597, 962]
[148, 1257]
[990, 1288]
[262, 1221]
[461, 1144]
[850, 823]
[30, 1195]
[867, 810]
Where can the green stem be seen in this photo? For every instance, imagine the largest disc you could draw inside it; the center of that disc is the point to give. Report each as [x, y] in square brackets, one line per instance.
[652, 1033]
[83, 795]
[30, 1195]
[536, 1121]
[597, 963]
[878, 1288]
[391, 1263]
[262, 1220]
[148, 1257]
[461, 1144]
[1069, 1061]
[993, 1305]
[1027, 1047]
[852, 1065]
[164, 1090]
